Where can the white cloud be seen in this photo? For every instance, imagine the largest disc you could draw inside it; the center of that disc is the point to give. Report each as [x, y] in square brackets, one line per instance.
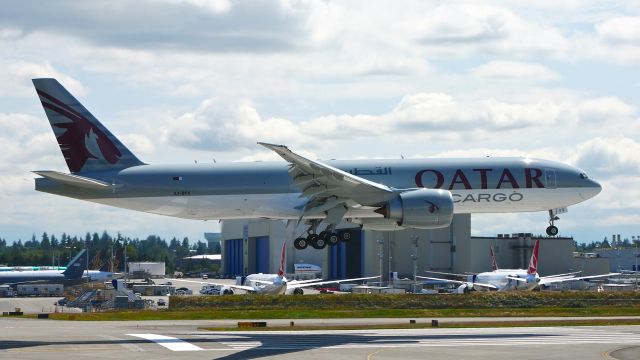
[16, 75]
[608, 157]
[137, 143]
[462, 29]
[228, 125]
[515, 70]
[222, 124]
[615, 39]
[620, 30]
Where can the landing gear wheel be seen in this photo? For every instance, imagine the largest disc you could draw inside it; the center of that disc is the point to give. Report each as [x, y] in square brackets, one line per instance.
[300, 243]
[317, 242]
[346, 236]
[298, 291]
[332, 239]
[552, 230]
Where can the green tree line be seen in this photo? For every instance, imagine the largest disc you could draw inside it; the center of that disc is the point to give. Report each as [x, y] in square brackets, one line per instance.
[55, 250]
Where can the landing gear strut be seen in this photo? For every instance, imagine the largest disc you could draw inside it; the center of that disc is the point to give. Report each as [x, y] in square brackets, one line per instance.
[552, 230]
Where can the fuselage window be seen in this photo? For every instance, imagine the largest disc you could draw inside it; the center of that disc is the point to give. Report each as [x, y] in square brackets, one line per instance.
[177, 178]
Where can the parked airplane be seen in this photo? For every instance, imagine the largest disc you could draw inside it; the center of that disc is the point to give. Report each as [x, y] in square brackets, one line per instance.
[512, 279]
[375, 194]
[276, 284]
[73, 274]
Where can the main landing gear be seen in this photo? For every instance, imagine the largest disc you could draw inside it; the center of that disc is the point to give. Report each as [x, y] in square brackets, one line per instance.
[320, 241]
[552, 230]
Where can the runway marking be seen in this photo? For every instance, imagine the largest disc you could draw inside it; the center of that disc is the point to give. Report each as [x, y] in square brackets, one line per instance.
[168, 342]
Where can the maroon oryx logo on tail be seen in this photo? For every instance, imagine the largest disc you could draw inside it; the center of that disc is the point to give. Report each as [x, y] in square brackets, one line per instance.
[78, 138]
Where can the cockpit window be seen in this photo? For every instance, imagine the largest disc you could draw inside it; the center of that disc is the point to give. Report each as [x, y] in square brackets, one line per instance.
[583, 176]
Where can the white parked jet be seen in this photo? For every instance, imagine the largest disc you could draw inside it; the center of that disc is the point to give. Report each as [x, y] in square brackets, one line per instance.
[512, 279]
[375, 194]
[276, 284]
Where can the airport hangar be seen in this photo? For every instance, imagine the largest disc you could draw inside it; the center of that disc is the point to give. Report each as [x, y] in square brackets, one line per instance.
[254, 246]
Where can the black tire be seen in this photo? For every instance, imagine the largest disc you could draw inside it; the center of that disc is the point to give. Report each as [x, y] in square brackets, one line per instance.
[317, 242]
[332, 239]
[227, 292]
[345, 236]
[552, 231]
[300, 243]
[298, 291]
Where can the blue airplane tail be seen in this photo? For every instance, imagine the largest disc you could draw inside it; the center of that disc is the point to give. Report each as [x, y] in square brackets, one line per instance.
[85, 143]
[77, 266]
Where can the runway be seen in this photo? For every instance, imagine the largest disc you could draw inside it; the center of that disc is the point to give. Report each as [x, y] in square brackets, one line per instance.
[48, 339]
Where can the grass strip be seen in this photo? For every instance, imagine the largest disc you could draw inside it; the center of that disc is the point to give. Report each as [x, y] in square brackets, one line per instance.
[232, 314]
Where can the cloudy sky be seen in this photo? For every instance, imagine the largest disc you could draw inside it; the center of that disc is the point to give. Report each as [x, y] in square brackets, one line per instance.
[185, 80]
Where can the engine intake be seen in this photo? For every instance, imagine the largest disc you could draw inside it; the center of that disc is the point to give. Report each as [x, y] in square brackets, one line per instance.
[420, 209]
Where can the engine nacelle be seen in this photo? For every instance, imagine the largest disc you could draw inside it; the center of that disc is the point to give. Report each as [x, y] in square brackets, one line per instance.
[420, 209]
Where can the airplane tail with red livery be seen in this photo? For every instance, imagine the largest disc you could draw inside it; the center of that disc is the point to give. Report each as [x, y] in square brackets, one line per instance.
[494, 263]
[282, 259]
[85, 143]
[533, 263]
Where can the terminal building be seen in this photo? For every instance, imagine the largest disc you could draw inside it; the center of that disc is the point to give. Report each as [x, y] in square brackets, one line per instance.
[253, 246]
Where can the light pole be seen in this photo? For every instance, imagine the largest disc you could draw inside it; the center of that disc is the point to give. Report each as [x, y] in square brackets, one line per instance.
[414, 257]
[380, 243]
[636, 260]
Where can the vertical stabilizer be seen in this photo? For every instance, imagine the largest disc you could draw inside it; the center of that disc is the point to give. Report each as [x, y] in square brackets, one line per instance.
[494, 263]
[533, 263]
[77, 266]
[282, 259]
[85, 143]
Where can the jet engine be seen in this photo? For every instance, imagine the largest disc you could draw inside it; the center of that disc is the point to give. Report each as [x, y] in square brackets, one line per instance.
[419, 209]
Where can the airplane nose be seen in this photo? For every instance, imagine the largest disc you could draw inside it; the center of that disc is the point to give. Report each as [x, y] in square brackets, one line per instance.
[592, 189]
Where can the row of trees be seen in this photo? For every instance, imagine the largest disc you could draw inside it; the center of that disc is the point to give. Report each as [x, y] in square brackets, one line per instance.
[57, 251]
[605, 244]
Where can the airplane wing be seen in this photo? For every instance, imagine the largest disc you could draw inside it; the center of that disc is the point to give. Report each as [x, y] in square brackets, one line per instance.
[241, 287]
[488, 286]
[327, 187]
[322, 282]
[553, 280]
[449, 274]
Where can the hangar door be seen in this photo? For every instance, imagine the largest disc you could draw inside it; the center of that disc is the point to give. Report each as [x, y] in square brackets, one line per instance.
[233, 259]
[262, 254]
[345, 259]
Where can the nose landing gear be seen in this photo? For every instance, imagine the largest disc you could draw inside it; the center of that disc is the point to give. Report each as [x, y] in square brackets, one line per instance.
[552, 230]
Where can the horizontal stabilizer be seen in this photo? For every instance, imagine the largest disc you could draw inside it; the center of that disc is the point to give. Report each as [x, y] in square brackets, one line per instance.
[74, 180]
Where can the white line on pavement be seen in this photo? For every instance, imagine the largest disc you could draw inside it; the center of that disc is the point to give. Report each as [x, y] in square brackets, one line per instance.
[170, 343]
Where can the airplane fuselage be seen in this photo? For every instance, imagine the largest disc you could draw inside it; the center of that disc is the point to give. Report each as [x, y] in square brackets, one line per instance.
[266, 190]
[500, 279]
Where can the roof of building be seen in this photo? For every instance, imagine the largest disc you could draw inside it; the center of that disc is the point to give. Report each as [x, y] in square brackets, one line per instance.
[207, 257]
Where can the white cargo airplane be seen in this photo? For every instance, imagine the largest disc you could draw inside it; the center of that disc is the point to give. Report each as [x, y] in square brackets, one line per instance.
[276, 284]
[375, 194]
[512, 279]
